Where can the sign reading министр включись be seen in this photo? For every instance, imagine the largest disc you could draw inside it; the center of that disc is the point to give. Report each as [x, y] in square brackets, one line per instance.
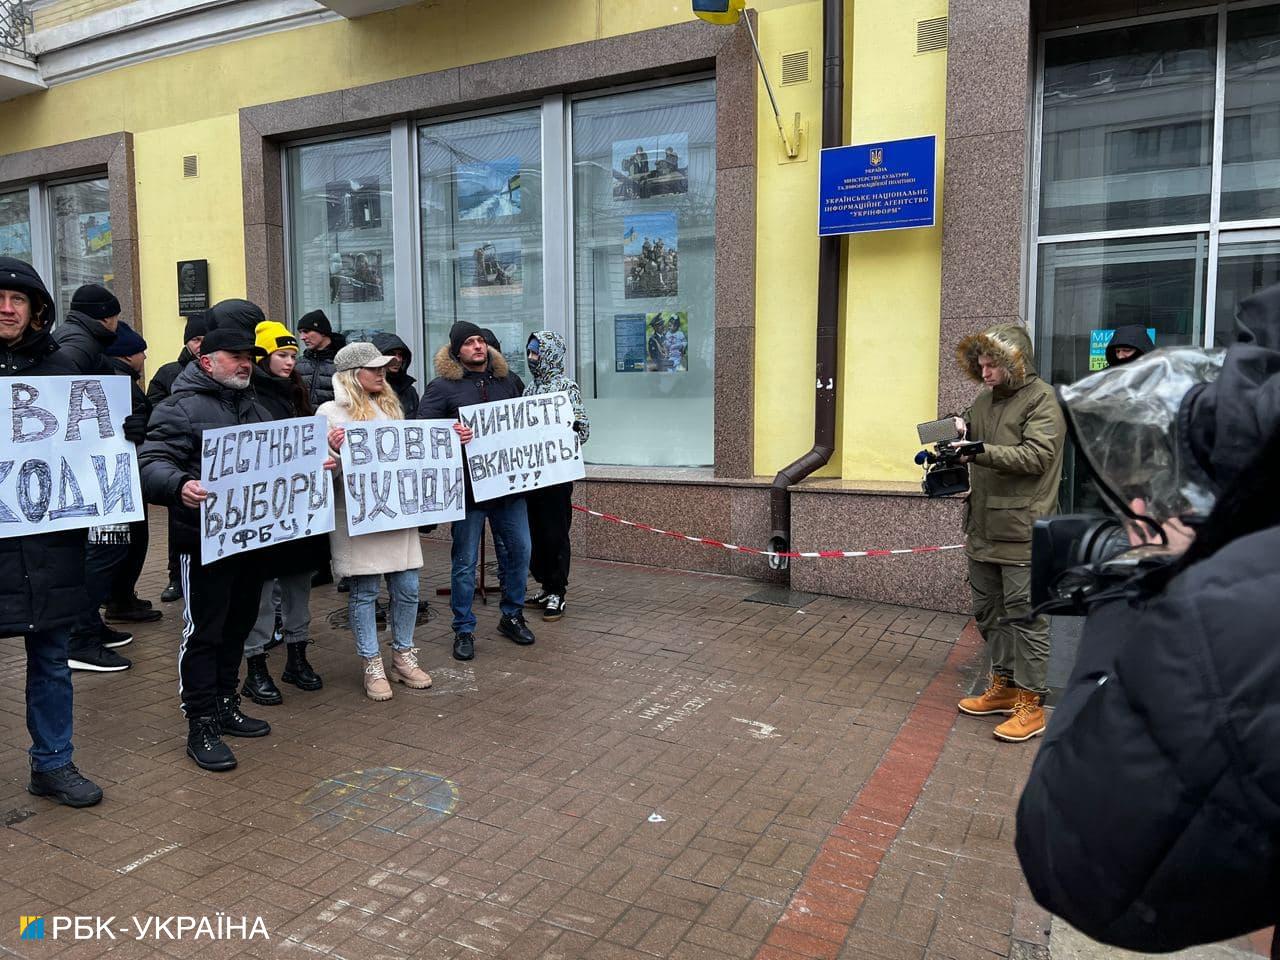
[267, 484]
[520, 445]
[64, 462]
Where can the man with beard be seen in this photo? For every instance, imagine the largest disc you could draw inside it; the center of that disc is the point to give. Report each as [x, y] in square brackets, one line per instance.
[221, 597]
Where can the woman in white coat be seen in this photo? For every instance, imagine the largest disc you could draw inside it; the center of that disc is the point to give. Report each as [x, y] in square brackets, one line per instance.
[361, 393]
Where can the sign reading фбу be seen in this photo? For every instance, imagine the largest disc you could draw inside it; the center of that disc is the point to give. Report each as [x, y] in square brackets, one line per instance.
[877, 186]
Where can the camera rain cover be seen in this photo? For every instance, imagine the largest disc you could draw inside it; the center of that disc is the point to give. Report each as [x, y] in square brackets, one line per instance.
[1125, 419]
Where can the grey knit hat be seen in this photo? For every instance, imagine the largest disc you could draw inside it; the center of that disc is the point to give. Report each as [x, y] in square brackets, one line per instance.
[356, 355]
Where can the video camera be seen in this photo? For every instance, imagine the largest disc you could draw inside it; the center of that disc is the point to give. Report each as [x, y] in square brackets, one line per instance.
[944, 474]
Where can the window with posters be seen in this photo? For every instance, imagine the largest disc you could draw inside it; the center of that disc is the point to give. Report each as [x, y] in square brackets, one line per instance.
[80, 221]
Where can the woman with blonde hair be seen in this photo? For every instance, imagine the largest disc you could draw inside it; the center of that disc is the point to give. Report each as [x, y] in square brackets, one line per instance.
[361, 394]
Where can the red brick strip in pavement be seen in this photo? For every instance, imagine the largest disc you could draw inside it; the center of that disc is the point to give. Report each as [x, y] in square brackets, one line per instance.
[825, 905]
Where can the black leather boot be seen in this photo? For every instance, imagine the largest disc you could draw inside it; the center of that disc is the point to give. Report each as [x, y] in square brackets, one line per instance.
[298, 671]
[66, 784]
[258, 685]
[205, 746]
[235, 724]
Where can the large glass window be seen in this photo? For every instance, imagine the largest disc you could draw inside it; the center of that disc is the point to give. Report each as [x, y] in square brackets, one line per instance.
[81, 221]
[1251, 135]
[15, 225]
[644, 168]
[1128, 127]
[340, 236]
[481, 223]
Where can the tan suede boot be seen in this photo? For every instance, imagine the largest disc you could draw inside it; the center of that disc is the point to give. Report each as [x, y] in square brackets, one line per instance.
[405, 669]
[1027, 720]
[997, 698]
[375, 679]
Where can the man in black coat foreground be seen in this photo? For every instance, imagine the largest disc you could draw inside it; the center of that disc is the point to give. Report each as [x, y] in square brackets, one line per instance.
[221, 597]
[468, 372]
[161, 386]
[1151, 815]
[41, 575]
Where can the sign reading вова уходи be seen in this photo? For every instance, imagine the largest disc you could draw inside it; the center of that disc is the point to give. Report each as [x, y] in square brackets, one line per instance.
[877, 186]
[65, 464]
[401, 473]
[267, 484]
[521, 445]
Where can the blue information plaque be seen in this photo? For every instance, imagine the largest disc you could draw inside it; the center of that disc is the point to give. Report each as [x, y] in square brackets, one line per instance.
[877, 186]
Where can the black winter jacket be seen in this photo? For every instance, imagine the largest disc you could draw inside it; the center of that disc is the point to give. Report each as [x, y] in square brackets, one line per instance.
[316, 369]
[1151, 818]
[171, 456]
[455, 386]
[161, 384]
[42, 575]
[83, 341]
[403, 383]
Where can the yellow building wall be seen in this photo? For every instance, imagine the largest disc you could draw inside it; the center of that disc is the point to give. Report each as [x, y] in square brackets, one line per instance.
[889, 378]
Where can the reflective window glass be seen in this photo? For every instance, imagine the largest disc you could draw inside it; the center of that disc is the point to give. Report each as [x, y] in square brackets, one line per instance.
[1128, 127]
[340, 234]
[644, 167]
[81, 220]
[1243, 270]
[1251, 136]
[481, 222]
[15, 225]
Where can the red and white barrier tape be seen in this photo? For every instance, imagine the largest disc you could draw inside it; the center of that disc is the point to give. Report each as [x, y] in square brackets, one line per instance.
[790, 555]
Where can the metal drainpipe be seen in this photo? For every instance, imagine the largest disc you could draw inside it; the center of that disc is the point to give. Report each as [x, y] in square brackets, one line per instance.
[824, 426]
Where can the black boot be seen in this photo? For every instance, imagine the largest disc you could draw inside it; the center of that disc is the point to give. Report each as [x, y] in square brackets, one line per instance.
[205, 746]
[515, 629]
[235, 724]
[172, 592]
[298, 671]
[66, 785]
[258, 685]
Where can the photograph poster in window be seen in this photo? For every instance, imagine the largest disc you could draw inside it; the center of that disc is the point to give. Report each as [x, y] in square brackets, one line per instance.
[650, 254]
[650, 166]
[355, 277]
[490, 190]
[354, 204]
[490, 267]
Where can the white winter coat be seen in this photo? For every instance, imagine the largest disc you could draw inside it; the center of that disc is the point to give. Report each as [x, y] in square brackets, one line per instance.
[370, 553]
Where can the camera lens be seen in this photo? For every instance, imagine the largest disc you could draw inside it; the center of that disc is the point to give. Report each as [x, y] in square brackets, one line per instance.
[1102, 541]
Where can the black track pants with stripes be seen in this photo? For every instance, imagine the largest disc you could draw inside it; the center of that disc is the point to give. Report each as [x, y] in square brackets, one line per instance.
[221, 607]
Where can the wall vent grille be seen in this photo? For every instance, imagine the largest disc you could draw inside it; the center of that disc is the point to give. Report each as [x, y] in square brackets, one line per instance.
[931, 35]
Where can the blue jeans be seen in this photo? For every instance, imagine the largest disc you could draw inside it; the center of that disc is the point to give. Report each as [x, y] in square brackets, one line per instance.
[402, 617]
[510, 522]
[48, 698]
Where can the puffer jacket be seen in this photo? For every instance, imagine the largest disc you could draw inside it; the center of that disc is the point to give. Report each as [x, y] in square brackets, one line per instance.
[387, 551]
[316, 369]
[172, 454]
[41, 575]
[1014, 481]
[84, 341]
[161, 384]
[549, 377]
[403, 383]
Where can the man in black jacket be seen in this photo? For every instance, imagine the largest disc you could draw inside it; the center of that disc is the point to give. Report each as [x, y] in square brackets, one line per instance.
[160, 387]
[315, 366]
[89, 329]
[1127, 344]
[41, 576]
[468, 372]
[221, 597]
[398, 377]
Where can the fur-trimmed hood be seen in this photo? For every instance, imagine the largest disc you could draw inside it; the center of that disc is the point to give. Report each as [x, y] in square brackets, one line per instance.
[451, 368]
[1006, 343]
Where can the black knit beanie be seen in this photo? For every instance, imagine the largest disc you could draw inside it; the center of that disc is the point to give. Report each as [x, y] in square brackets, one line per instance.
[460, 333]
[317, 321]
[95, 300]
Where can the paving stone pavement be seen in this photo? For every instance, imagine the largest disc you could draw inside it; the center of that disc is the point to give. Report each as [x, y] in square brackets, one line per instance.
[670, 771]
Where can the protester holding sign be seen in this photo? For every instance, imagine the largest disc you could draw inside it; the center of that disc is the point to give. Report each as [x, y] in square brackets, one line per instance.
[361, 395]
[280, 390]
[469, 372]
[222, 596]
[41, 575]
[551, 508]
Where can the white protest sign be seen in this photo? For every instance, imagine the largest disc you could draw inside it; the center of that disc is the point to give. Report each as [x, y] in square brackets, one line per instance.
[267, 484]
[401, 473]
[521, 445]
[64, 462]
